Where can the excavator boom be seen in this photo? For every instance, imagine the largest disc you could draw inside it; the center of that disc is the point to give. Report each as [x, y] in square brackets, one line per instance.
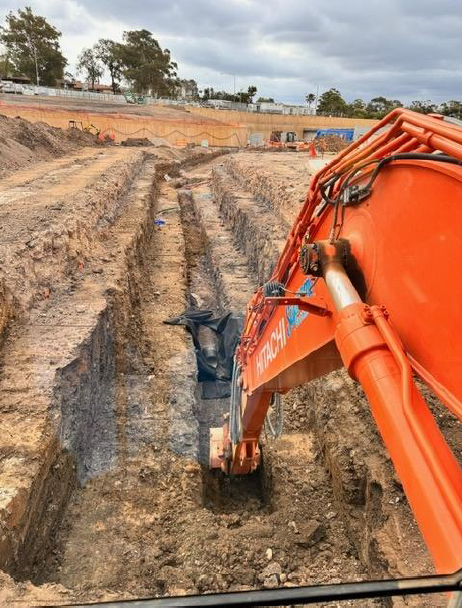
[369, 279]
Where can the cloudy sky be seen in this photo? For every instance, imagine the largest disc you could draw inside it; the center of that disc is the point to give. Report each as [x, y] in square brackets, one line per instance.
[403, 49]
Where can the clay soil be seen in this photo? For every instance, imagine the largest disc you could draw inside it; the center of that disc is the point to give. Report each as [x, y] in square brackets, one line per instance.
[105, 492]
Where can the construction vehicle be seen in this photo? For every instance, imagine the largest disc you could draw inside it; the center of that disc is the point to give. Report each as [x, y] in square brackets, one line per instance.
[132, 97]
[89, 128]
[370, 279]
[282, 139]
[287, 140]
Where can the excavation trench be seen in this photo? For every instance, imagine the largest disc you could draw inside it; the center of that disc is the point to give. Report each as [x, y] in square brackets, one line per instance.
[121, 502]
[140, 436]
[316, 460]
[217, 281]
[143, 514]
[116, 394]
[283, 521]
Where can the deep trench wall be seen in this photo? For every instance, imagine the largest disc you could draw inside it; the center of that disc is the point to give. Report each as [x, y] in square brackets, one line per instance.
[82, 429]
[37, 474]
[85, 396]
[43, 257]
[69, 399]
[91, 390]
[260, 240]
[361, 472]
[6, 308]
[80, 442]
[83, 435]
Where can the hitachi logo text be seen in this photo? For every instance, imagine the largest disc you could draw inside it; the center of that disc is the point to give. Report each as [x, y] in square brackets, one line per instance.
[272, 347]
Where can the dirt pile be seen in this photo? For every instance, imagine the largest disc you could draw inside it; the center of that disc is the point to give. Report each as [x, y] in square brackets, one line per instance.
[331, 143]
[23, 143]
[137, 142]
[144, 141]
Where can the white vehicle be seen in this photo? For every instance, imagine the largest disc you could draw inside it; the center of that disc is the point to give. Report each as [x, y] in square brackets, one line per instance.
[30, 90]
[11, 87]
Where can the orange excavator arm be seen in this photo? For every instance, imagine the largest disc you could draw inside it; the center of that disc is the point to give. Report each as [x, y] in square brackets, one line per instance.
[370, 279]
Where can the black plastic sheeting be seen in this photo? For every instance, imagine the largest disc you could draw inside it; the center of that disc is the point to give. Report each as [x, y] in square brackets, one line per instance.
[214, 371]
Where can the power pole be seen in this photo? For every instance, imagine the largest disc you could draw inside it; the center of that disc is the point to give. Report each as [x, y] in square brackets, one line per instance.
[36, 65]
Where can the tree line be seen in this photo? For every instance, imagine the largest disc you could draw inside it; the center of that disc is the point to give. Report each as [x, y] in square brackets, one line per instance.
[32, 49]
[240, 97]
[138, 59]
[331, 103]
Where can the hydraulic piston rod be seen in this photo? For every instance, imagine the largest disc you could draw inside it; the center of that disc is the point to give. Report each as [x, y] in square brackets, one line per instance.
[373, 355]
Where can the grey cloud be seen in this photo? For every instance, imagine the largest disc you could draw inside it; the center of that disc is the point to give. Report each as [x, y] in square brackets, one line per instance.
[223, 56]
[405, 49]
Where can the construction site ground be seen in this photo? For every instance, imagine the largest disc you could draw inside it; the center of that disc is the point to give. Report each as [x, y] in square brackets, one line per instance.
[101, 106]
[176, 123]
[105, 490]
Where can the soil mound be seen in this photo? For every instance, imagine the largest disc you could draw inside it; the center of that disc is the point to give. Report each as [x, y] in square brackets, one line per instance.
[137, 141]
[23, 143]
[331, 143]
[144, 141]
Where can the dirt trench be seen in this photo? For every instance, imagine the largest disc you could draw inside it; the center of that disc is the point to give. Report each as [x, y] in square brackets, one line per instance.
[120, 502]
[80, 388]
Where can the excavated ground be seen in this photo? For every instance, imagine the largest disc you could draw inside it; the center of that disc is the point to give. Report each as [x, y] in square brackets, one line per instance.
[104, 486]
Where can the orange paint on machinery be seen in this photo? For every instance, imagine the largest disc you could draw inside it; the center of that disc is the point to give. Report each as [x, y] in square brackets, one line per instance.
[369, 279]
